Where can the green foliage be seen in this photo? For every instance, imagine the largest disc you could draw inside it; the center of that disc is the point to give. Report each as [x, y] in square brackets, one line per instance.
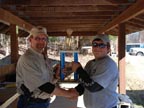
[113, 38]
[52, 39]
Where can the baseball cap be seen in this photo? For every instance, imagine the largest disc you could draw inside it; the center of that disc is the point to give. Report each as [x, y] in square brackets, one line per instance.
[103, 37]
[35, 31]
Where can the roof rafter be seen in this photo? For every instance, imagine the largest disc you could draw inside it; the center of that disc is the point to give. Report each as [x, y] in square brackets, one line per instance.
[57, 2]
[9, 18]
[131, 12]
[87, 8]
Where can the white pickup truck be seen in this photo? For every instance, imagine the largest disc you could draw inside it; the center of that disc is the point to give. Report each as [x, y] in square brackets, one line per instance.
[86, 50]
[136, 51]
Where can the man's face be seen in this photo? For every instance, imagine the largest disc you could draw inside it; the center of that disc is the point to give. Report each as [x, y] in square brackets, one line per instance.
[38, 43]
[99, 49]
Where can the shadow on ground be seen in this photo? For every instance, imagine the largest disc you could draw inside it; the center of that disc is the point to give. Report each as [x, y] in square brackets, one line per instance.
[137, 96]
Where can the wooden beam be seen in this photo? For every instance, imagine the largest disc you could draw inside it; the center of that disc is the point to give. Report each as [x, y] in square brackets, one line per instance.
[14, 44]
[138, 22]
[56, 2]
[66, 21]
[139, 19]
[141, 16]
[121, 58]
[87, 8]
[128, 14]
[78, 33]
[66, 14]
[63, 29]
[9, 18]
[121, 1]
[135, 26]
[74, 17]
[71, 25]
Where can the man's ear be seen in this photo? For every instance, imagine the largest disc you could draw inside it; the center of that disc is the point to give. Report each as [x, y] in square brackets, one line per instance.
[109, 50]
[29, 39]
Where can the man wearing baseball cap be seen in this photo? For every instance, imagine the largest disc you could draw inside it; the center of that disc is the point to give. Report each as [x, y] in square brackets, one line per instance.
[99, 78]
[34, 74]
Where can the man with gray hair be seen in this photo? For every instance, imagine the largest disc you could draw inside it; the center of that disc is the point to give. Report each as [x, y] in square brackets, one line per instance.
[34, 74]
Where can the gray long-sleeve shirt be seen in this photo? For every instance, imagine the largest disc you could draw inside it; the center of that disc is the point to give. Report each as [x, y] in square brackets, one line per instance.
[33, 70]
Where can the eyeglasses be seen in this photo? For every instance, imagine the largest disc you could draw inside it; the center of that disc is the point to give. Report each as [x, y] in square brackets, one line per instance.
[101, 45]
[40, 39]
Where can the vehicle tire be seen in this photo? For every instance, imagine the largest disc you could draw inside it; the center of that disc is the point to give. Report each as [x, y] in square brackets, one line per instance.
[139, 54]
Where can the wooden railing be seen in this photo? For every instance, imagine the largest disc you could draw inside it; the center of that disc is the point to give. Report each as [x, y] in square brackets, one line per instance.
[7, 69]
[4, 71]
[10, 102]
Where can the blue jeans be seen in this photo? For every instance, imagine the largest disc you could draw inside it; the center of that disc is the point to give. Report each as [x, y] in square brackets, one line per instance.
[24, 102]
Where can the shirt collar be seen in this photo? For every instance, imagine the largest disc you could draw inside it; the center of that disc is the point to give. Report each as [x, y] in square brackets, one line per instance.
[35, 52]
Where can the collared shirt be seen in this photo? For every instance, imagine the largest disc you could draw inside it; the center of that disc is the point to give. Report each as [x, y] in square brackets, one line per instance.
[33, 71]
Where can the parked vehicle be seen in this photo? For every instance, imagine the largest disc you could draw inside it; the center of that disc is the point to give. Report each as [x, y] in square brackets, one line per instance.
[134, 45]
[136, 51]
[86, 50]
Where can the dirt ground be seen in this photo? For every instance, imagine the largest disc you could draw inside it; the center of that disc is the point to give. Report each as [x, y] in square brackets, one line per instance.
[135, 80]
[134, 76]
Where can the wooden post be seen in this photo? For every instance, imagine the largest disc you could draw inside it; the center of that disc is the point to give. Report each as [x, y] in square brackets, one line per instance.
[121, 58]
[14, 43]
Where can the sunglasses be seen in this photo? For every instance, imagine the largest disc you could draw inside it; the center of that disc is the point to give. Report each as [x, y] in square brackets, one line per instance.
[101, 45]
[40, 39]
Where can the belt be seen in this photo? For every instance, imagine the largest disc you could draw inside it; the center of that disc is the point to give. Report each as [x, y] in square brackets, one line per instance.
[38, 100]
[34, 100]
[114, 107]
